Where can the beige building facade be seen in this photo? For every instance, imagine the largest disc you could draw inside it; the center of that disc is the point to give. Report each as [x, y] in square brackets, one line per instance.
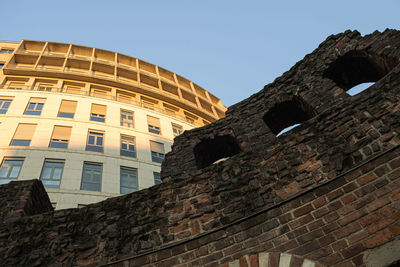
[91, 123]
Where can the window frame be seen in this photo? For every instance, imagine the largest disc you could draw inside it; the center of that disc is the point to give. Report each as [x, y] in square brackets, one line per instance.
[45, 180]
[59, 143]
[22, 142]
[86, 167]
[126, 122]
[62, 143]
[36, 111]
[157, 180]
[151, 128]
[127, 152]
[154, 129]
[95, 147]
[66, 114]
[157, 157]
[128, 189]
[4, 102]
[3, 180]
[177, 127]
[95, 116]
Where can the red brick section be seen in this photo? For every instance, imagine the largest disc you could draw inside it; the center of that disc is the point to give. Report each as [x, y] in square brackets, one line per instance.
[332, 229]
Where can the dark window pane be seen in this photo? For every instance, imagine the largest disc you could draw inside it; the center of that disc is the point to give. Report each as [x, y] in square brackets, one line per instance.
[65, 115]
[6, 104]
[91, 177]
[99, 141]
[157, 157]
[32, 112]
[10, 170]
[20, 142]
[91, 140]
[157, 178]
[127, 153]
[56, 144]
[94, 148]
[128, 180]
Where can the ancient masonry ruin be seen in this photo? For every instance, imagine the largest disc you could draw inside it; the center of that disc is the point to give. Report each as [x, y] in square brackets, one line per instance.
[326, 193]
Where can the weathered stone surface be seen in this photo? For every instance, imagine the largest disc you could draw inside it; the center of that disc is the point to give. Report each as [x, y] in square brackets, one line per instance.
[18, 199]
[310, 192]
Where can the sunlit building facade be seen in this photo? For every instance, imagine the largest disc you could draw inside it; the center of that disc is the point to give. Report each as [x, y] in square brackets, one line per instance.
[91, 123]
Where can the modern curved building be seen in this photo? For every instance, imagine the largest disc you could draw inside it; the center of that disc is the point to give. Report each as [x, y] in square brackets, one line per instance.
[91, 123]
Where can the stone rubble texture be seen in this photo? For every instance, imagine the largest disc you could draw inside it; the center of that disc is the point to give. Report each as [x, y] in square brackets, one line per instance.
[324, 193]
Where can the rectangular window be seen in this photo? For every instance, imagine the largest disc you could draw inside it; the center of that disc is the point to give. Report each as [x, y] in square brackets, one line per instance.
[170, 110]
[124, 98]
[35, 106]
[127, 118]
[128, 146]
[129, 180]
[99, 93]
[23, 135]
[1, 65]
[67, 109]
[60, 137]
[51, 173]
[16, 85]
[47, 87]
[91, 176]
[177, 129]
[4, 105]
[153, 125]
[95, 141]
[157, 178]
[10, 169]
[148, 105]
[72, 89]
[98, 113]
[157, 151]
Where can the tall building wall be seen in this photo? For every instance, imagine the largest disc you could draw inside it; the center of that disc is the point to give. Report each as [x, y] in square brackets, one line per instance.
[79, 106]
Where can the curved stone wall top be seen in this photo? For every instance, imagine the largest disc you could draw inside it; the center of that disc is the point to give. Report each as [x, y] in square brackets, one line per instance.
[314, 84]
[110, 69]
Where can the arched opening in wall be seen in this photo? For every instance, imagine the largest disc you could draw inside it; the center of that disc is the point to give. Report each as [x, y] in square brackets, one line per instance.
[214, 149]
[359, 68]
[287, 115]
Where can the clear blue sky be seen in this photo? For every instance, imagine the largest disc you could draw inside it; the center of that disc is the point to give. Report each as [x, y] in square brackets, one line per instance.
[231, 48]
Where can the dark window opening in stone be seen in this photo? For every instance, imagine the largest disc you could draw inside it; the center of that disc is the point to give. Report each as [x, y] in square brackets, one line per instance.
[287, 115]
[358, 67]
[395, 264]
[210, 150]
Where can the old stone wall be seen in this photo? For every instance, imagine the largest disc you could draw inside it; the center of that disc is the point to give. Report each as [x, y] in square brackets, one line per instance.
[324, 193]
[18, 199]
[330, 224]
